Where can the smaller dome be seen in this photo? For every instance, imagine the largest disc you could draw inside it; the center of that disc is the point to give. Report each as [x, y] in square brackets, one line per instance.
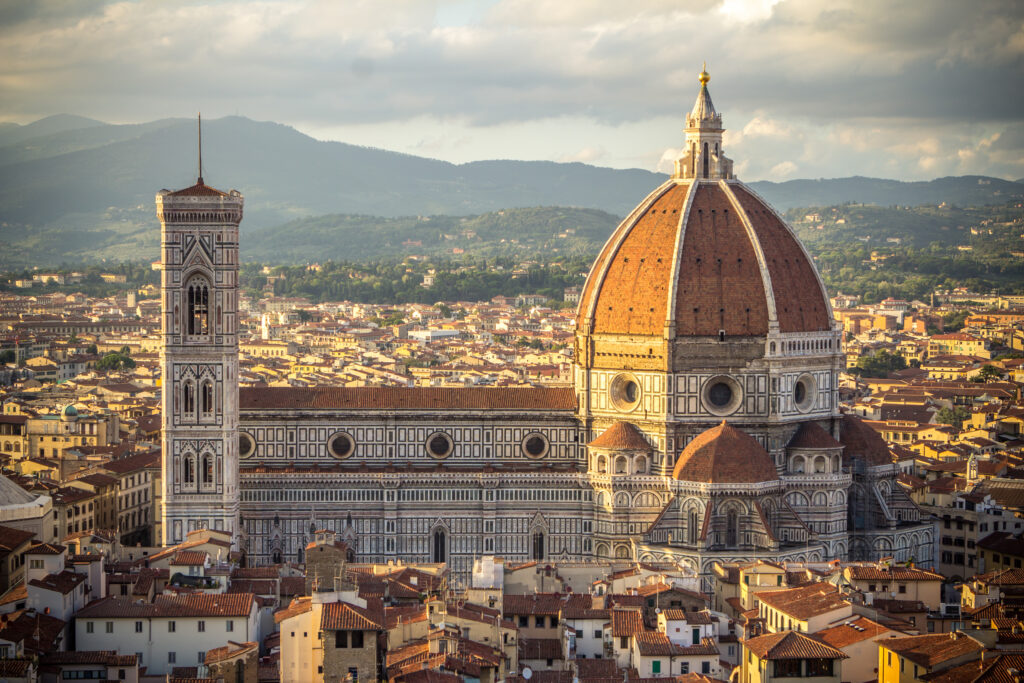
[812, 436]
[725, 455]
[621, 436]
[863, 443]
[69, 413]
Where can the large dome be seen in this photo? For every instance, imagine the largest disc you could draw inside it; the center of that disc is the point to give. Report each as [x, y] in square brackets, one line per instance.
[703, 255]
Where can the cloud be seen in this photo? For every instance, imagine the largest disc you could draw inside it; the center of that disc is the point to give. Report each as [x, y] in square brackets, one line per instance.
[796, 79]
[587, 155]
[784, 169]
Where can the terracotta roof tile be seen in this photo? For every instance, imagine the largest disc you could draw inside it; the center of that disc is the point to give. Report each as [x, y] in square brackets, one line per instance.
[621, 436]
[791, 645]
[343, 616]
[724, 454]
[811, 435]
[408, 398]
[196, 604]
[626, 622]
[804, 602]
[930, 650]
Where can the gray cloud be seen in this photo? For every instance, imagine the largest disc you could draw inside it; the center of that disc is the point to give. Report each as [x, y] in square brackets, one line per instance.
[913, 70]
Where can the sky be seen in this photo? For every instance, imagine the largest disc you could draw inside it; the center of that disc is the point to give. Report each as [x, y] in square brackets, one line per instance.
[907, 89]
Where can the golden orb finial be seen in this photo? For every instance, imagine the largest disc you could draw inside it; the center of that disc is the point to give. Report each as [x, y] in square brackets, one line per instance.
[704, 76]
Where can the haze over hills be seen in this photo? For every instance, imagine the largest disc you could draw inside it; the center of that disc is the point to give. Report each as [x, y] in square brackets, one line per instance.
[74, 188]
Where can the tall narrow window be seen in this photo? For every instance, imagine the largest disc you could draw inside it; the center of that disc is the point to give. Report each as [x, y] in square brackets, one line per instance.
[538, 546]
[198, 314]
[188, 472]
[207, 398]
[691, 527]
[188, 402]
[706, 164]
[731, 529]
[439, 554]
[207, 469]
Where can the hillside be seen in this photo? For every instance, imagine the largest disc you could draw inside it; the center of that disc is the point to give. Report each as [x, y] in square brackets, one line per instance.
[73, 189]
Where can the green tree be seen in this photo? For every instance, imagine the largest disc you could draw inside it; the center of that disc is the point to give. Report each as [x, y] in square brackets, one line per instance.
[989, 373]
[952, 416]
[880, 364]
[7, 356]
[115, 361]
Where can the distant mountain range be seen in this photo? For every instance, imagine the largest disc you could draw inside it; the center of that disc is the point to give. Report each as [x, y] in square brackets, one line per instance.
[73, 188]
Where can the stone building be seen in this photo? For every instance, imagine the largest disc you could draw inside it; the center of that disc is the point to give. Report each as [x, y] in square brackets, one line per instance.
[703, 424]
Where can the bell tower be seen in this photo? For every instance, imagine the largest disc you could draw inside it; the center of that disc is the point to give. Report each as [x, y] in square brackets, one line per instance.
[199, 358]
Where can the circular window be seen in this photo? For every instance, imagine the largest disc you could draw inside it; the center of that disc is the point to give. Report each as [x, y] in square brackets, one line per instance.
[246, 445]
[722, 395]
[439, 445]
[341, 445]
[625, 392]
[535, 445]
[803, 392]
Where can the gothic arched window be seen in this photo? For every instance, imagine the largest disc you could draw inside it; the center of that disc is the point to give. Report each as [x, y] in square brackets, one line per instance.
[197, 318]
[188, 399]
[440, 549]
[206, 398]
[732, 529]
[207, 469]
[691, 527]
[538, 546]
[188, 474]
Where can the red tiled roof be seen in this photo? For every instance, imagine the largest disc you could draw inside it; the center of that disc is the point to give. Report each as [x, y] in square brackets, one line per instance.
[343, 616]
[408, 398]
[626, 622]
[862, 442]
[724, 454]
[804, 602]
[200, 189]
[191, 605]
[852, 631]
[62, 583]
[811, 435]
[621, 436]
[894, 573]
[540, 648]
[791, 645]
[190, 558]
[930, 650]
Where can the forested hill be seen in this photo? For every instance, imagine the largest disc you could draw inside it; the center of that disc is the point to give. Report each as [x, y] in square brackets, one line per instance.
[76, 189]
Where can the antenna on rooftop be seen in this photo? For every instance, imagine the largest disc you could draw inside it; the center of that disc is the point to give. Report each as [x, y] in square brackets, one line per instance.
[200, 126]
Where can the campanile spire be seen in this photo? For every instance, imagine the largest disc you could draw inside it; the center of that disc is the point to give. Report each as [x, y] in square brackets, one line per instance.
[702, 156]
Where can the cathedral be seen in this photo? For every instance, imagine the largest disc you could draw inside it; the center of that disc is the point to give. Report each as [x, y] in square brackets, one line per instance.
[703, 423]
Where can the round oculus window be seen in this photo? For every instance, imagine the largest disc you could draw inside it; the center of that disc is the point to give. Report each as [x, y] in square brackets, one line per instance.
[722, 395]
[625, 392]
[341, 445]
[803, 392]
[246, 445]
[535, 445]
[439, 445]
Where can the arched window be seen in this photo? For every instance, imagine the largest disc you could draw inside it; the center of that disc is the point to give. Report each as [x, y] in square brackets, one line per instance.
[732, 529]
[706, 160]
[439, 553]
[538, 546]
[691, 527]
[197, 319]
[188, 474]
[207, 469]
[621, 465]
[188, 399]
[602, 464]
[641, 464]
[206, 398]
[819, 464]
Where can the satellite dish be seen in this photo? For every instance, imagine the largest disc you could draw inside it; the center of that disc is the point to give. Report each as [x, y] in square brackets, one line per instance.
[657, 610]
[527, 673]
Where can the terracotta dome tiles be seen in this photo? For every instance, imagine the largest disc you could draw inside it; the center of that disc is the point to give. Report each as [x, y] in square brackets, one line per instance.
[800, 303]
[811, 435]
[621, 436]
[725, 455]
[718, 281]
[720, 285]
[633, 295]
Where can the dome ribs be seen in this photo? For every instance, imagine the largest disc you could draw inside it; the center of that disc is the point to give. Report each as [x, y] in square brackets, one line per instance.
[800, 302]
[720, 286]
[633, 295]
